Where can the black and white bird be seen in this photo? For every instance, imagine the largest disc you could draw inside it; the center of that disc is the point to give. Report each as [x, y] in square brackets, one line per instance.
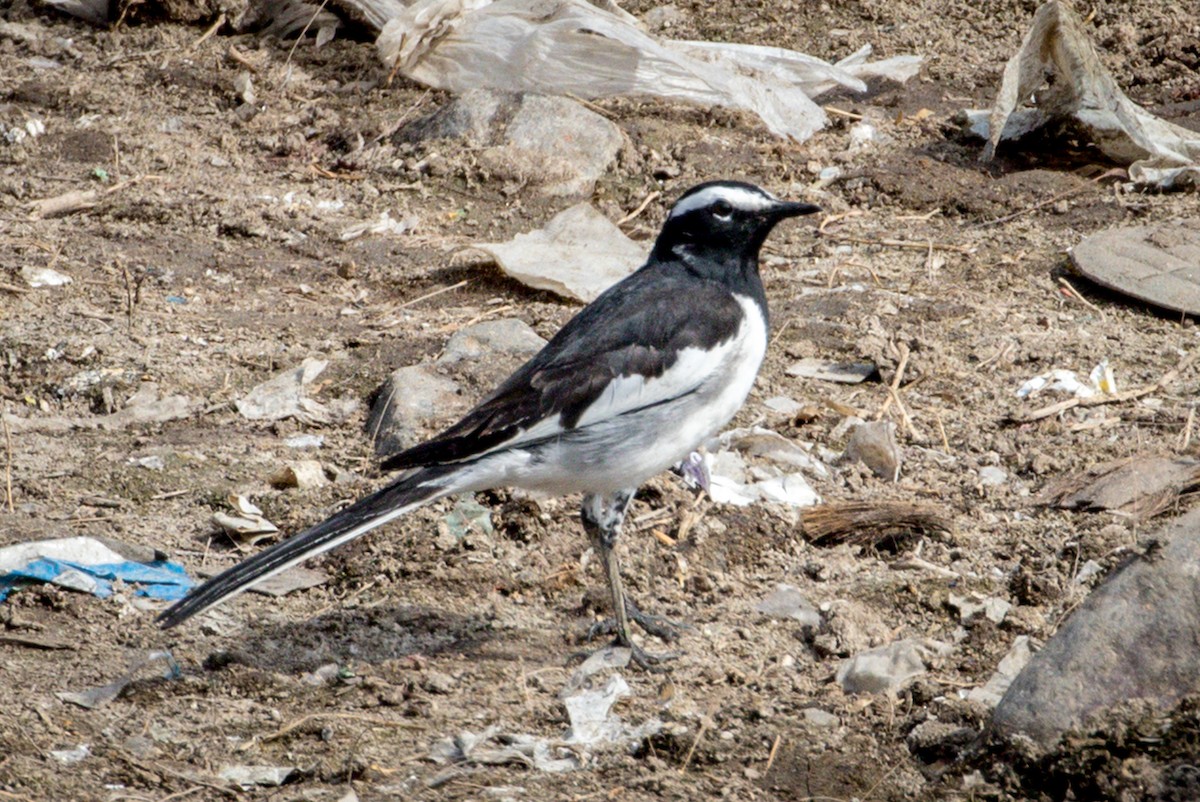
[629, 387]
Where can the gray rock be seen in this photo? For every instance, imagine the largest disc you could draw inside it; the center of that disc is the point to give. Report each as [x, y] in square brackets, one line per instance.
[509, 337]
[1001, 680]
[874, 445]
[889, 667]
[789, 602]
[1137, 636]
[818, 717]
[567, 143]
[991, 476]
[558, 145]
[408, 401]
[470, 116]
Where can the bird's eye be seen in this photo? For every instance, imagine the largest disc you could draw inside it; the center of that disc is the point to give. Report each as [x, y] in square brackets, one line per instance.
[721, 209]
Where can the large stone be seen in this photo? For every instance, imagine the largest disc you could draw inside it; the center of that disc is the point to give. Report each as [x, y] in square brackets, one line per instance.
[1137, 636]
[409, 401]
[553, 143]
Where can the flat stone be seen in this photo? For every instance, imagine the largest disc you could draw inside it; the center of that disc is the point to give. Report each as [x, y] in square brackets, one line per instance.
[829, 371]
[1137, 636]
[469, 116]
[789, 602]
[888, 668]
[1158, 264]
[578, 254]
[510, 337]
[818, 717]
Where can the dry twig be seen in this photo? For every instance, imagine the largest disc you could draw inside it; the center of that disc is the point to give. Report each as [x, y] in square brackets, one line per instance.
[1074, 293]
[653, 196]
[8, 461]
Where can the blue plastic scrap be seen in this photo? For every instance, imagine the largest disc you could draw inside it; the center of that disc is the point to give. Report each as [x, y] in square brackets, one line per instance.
[158, 579]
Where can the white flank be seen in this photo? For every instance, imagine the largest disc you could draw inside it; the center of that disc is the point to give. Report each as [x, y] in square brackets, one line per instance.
[692, 368]
[747, 200]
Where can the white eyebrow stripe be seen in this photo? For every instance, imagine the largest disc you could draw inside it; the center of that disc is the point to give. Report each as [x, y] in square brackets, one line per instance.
[739, 198]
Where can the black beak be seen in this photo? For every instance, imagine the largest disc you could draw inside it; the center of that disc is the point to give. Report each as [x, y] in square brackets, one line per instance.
[786, 209]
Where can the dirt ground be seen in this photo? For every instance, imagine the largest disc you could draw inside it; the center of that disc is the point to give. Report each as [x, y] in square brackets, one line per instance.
[212, 259]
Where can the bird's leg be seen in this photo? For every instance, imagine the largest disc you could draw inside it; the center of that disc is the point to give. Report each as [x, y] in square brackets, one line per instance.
[602, 517]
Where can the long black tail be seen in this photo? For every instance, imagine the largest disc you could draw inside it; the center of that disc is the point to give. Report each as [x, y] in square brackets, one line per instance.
[359, 518]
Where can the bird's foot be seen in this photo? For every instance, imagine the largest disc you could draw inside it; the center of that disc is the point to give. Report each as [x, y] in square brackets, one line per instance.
[654, 663]
[647, 661]
[658, 626]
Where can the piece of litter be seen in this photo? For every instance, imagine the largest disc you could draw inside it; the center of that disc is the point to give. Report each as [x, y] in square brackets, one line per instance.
[69, 756]
[1057, 79]
[573, 47]
[592, 727]
[152, 463]
[250, 776]
[291, 580]
[758, 441]
[788, 602]
[285, 396]
[729, 482]
[384, 225]
[44, 277]
[578, 254]
[248, 524]
[826, 370]
[95, 697]
[1100, 381]
[305, 441]
[889, 667]
[86, 564]
[609, 658]
[465, 517]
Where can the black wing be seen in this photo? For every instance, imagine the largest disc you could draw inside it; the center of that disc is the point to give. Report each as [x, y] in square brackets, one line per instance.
[638, 326]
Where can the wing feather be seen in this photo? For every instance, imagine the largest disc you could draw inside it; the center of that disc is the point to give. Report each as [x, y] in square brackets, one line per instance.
[633, 347]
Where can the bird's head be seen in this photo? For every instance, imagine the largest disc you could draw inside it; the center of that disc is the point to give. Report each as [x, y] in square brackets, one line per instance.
[723, 222]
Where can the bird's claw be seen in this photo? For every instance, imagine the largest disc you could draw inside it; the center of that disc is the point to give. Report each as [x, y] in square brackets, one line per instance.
[647, 661]
[658, 626]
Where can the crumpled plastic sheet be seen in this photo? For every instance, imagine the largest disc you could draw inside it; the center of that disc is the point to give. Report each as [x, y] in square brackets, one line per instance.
[86, 565]
[727, 478]
[102, 695]
[1057, 76]
[570, 47]
[593, 726]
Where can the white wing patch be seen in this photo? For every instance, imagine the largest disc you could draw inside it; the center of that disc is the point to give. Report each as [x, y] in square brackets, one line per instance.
[748, 200]
[692, 368]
